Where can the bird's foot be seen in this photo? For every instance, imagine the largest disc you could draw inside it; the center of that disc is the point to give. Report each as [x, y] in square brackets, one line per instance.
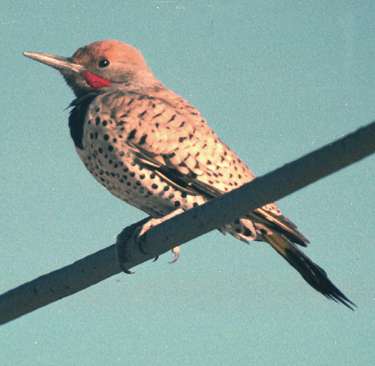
[176, 254]
[128, 246]
[149, 225]
[156, 221]
[124, 246]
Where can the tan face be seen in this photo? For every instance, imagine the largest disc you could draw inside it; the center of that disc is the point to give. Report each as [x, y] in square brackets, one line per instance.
[112, 60]
[100, 65]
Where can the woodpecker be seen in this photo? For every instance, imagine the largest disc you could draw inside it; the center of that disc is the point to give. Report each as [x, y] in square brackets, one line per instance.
[152, 149]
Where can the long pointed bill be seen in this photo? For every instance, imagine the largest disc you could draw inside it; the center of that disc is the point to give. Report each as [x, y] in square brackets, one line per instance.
[57, 62]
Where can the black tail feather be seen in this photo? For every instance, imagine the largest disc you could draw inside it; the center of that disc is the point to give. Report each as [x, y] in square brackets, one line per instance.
[314, 275]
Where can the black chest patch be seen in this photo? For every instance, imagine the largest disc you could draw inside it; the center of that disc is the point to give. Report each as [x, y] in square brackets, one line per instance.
[77, 117]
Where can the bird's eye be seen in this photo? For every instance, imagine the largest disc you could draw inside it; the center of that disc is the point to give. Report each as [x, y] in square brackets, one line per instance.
[103, 63]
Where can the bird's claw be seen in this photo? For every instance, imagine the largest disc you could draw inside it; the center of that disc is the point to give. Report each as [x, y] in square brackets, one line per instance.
[127, 271]
[128, 238]
[123, 246]
[176, 255]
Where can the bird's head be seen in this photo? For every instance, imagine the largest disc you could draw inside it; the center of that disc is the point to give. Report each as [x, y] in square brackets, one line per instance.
[100, 66]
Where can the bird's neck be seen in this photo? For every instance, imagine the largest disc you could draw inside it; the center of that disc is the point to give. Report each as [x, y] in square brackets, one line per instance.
[143, 81]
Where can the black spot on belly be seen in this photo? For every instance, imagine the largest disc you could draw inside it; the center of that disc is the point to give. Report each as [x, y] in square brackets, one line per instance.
[143, 139]
[132, 134]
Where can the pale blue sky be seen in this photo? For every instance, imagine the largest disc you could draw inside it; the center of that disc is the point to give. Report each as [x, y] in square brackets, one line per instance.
[275, 80]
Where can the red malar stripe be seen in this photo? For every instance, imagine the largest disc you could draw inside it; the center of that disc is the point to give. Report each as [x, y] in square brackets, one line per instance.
[95, 81]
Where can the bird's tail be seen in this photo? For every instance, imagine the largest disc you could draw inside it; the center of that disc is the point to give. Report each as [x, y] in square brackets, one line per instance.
[314, 275]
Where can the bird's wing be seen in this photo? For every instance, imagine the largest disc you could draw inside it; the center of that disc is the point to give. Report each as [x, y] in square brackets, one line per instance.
[175, 141]
[272, 216]
[171, 138]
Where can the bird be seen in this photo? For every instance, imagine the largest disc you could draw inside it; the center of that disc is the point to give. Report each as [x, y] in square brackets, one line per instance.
[152, 149]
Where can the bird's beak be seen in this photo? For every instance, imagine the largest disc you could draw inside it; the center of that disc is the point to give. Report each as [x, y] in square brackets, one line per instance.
[58, 62]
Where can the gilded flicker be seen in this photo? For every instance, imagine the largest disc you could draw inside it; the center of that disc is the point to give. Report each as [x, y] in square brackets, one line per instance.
[152, 149]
